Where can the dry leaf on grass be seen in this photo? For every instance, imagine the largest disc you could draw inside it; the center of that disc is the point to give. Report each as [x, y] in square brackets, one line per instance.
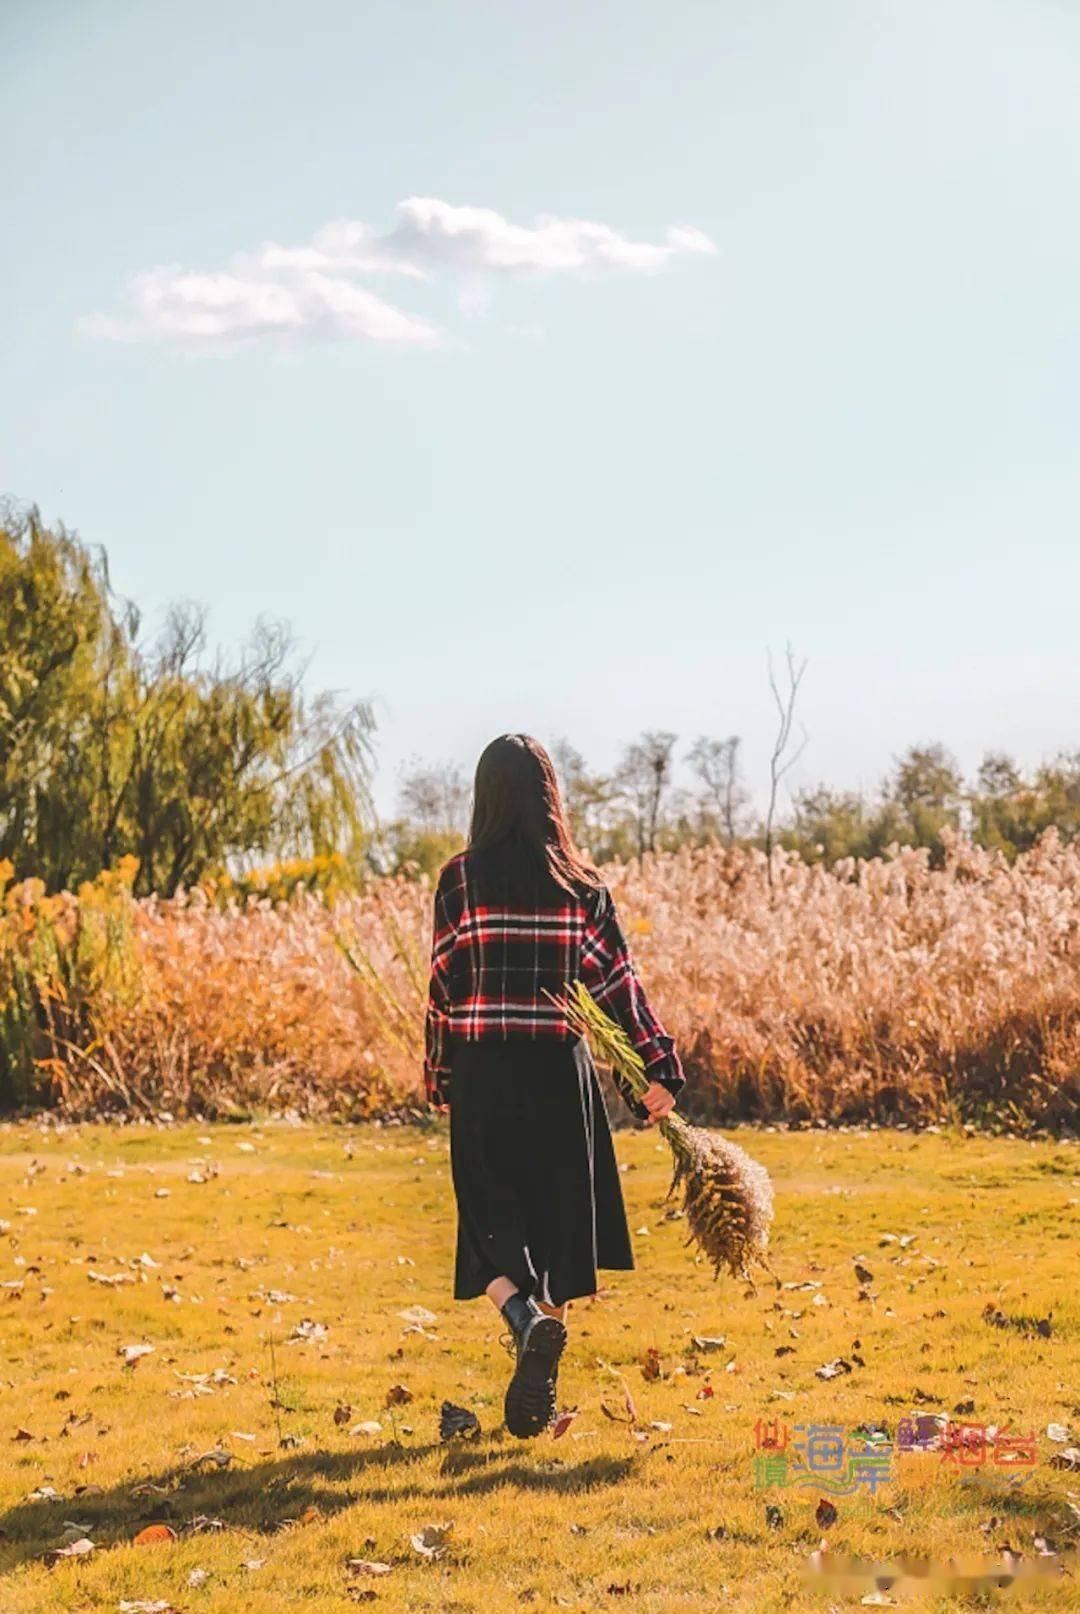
[457, 1422]
[418, 1315]
[433, 1540]
[134, 1353]
[652, 1365]
[154, 1535]
[833, 1369]
[366, 1566]
[81, 1547]
[219, 1457]
[308, 1333]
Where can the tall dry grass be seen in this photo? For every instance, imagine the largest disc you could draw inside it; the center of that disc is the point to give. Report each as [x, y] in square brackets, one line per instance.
[879, 990]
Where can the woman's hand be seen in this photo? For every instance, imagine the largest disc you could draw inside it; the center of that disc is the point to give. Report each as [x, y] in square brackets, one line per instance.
[659, 1101]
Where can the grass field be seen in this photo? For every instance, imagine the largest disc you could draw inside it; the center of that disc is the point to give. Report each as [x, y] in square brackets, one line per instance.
[272, 1470]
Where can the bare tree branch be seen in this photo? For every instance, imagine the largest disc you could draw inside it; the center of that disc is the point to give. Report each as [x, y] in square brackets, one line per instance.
[782, 761]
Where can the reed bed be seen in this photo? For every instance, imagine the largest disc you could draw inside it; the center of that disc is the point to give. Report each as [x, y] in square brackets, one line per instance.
[879, 990]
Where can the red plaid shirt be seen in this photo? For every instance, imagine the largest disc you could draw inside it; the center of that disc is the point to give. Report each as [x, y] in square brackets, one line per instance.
[491, 968]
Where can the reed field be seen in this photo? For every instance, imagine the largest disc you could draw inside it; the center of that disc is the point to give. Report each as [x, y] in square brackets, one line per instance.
[880, 990]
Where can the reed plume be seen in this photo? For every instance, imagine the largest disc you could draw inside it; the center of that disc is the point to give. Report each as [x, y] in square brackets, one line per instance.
[727, 1196]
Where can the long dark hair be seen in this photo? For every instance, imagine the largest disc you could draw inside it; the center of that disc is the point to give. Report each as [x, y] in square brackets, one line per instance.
[519, 835]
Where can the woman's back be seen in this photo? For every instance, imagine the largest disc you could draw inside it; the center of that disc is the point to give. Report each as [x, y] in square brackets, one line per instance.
[515, 940]
[508, 941]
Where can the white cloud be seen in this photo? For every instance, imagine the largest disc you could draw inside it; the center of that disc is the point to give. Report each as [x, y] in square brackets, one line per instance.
[170, 306]
[310, 290]
[435, 235]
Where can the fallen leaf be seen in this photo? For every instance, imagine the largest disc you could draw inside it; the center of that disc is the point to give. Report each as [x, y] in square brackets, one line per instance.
[366, 1566]
[153, 1535]
[651, 1366]
[457, 1421]
[307, 1333]
[833, 1369]
[133, 1353]
[220, 1457]
[81, 1547]
[825, 1513]
[419, 1315]
[563, 1422]
[432, 1540]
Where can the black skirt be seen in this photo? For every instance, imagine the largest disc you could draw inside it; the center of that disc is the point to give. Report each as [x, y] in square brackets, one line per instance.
[537, 1185]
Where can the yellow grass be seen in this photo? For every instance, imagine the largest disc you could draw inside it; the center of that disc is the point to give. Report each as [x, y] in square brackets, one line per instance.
[349, 1227]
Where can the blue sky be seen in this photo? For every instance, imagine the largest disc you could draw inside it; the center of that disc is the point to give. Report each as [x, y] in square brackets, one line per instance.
[575, 477]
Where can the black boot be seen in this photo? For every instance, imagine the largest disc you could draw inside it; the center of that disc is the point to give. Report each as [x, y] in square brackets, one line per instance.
[539, 1339]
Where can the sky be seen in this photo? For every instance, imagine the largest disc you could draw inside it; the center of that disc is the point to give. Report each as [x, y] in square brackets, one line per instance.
[545, 366]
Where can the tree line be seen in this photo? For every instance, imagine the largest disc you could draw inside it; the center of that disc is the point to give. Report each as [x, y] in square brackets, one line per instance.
[638, 807]
[113, 745]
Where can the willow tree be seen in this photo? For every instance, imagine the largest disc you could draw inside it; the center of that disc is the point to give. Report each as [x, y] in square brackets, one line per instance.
[187, 760]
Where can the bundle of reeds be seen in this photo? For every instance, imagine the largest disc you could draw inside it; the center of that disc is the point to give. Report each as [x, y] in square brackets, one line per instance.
[727, 1196]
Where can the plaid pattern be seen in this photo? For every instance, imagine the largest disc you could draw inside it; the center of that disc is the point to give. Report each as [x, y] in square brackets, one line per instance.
[491, 968]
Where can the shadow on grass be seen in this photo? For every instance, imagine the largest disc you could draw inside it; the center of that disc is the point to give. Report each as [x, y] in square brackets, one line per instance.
[262, 1498]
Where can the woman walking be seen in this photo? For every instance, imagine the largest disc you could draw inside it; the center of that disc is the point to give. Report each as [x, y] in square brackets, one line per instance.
[518, 916]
